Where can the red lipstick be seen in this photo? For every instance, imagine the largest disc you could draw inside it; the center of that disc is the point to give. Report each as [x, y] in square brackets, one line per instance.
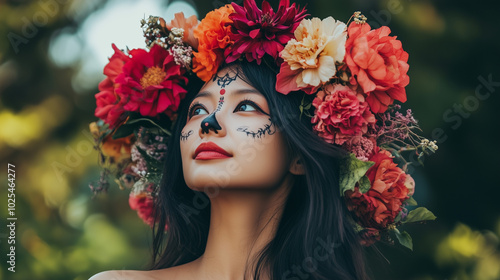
[210, 150]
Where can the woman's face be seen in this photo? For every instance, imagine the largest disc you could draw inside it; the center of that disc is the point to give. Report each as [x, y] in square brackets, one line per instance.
[229, 140]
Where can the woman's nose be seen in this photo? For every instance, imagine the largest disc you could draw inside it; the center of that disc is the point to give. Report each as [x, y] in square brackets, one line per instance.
[210, 122]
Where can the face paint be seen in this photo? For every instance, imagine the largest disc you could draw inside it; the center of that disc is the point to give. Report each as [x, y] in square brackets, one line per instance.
[243, 107]
[184, 136]
[260, 132]
[225, 80]
[211, 122]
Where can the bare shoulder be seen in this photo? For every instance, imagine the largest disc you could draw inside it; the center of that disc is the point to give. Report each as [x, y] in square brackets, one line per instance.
[125, 275]
[181, 272]
[172, 273]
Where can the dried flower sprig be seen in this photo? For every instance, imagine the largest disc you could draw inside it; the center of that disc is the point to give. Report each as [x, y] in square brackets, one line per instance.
[397, 133]
[155, 31]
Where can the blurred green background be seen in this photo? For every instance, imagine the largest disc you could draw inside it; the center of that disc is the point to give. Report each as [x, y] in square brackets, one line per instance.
[51, 58]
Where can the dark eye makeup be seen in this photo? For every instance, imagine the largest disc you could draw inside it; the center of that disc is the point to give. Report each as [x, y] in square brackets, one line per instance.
[195, 108]
[246, 102]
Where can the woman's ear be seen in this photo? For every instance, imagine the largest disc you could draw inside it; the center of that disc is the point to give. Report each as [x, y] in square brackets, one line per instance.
[296, 166]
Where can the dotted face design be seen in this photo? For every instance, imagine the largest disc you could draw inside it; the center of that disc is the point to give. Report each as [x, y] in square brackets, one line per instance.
[210, 122]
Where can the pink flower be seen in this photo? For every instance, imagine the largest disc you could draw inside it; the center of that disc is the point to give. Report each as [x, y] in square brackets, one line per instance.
[151, 82]
[310, 58]
[410, 185]
[362, 147]
[378, 64]
[258, 32]
[109, 104]
[340, 114]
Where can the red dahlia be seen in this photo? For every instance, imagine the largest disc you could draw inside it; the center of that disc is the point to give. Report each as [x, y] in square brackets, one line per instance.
[256, 32]
[151, 82]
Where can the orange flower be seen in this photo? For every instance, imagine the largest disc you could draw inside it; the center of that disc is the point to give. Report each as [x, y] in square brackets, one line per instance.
[117, 149]
[390, 186]
[213, 37]
[378, 63]
[188, 25]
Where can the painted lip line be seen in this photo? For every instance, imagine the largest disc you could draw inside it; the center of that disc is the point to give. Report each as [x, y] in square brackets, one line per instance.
[210, 150]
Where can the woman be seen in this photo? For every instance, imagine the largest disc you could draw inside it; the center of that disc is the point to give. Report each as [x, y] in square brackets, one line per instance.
[268, 203]
[293, 114]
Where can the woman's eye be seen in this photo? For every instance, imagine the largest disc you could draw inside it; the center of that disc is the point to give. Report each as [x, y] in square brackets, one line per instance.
[245, 107]
[197, 110]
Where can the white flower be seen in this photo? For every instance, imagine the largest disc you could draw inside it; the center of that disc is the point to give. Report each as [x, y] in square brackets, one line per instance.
[318, 44]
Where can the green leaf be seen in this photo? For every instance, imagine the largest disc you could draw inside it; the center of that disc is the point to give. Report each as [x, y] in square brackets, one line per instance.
[404, 239]
[420, 159]
[398, 217]
[357, 227]
[364, 184]
[431, 149]
[151, 122]
[419, 214]
[351, 171]
[123, 131]
[411, 201]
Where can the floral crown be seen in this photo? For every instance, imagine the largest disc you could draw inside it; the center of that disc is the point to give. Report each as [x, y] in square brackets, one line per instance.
[354, 72]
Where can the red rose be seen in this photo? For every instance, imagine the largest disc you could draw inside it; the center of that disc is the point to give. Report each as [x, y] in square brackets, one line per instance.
[341, 113]
[382, 203]
[378, 63]
[142, 203]
[109, 104]
[151, 82]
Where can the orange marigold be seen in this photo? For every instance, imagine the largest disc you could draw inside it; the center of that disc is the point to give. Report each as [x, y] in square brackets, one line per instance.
[213, 37]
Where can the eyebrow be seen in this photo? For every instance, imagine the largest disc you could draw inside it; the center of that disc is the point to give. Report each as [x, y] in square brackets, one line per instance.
[240, 91]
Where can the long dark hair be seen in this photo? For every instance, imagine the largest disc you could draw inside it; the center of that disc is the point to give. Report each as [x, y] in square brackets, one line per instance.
[314, 234]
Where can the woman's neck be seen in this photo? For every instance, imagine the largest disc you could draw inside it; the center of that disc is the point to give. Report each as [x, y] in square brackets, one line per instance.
[242, 222]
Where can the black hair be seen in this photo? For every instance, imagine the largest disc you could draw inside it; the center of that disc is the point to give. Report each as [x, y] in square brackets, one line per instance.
[315, 231]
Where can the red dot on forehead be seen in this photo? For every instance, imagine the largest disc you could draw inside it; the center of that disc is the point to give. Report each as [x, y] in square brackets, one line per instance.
[222, 91]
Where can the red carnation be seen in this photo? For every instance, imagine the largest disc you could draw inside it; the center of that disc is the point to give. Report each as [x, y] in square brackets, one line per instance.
[256, 32]
[378, 63]
[341, 113]
[378, 207]
[151, 82]
[109, 104]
